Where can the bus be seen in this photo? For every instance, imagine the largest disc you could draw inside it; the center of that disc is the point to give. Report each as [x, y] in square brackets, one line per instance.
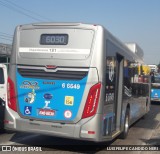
[73, 80]
[3, 94]
[153, 68]
[155, 88]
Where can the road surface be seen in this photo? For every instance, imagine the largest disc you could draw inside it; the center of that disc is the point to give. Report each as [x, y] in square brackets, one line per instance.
[146, 131]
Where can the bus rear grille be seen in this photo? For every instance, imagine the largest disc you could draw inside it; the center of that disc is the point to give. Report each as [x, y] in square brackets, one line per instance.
[59, 75]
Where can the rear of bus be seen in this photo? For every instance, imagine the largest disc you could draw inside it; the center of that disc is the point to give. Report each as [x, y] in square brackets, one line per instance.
[55, 80]
[155, 89]
[3, 94]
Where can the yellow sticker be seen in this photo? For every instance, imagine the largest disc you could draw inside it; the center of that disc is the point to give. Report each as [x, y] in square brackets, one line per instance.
[69, 100]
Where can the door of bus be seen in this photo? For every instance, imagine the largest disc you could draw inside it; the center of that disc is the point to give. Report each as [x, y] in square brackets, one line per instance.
[119, 92]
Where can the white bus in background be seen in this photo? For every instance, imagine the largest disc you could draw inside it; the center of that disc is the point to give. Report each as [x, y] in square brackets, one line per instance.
[3, 93]
[3, 82]
[153, 68]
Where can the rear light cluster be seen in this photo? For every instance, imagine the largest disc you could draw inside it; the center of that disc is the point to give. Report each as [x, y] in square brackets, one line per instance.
[92, 101]
[11, 95]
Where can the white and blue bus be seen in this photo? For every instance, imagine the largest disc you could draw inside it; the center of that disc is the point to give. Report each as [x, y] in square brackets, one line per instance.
[73, 80]
[155, 88]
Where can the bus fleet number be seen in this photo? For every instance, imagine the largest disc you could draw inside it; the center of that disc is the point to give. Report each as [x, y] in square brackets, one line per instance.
[70, 86]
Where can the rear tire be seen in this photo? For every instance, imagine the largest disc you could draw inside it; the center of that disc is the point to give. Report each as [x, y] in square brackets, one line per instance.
[124, 134]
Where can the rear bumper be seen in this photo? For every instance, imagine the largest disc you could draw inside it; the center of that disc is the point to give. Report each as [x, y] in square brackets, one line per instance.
[73, 131]
[155, 99]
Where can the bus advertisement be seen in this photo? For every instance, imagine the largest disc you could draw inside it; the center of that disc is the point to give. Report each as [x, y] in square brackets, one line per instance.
[74, 80]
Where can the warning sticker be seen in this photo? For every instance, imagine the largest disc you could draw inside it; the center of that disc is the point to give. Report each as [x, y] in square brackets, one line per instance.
[69, 100]
[67, 114]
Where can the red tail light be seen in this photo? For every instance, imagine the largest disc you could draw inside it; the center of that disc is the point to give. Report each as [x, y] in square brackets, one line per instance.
[92, 101]
[11, 95]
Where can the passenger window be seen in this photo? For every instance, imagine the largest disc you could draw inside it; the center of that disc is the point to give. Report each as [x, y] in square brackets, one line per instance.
[1, 76]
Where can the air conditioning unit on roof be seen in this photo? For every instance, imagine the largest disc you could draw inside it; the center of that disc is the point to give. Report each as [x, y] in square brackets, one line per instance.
[135, 48]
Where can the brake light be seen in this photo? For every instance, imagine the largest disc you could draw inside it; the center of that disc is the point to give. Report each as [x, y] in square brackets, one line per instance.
[92, 101]
[51, 67]
[11, 95]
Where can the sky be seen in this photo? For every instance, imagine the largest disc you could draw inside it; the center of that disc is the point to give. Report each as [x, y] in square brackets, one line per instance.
[128, 20]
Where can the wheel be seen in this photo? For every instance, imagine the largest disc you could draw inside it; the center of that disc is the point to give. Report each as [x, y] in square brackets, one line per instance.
[126, 126]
